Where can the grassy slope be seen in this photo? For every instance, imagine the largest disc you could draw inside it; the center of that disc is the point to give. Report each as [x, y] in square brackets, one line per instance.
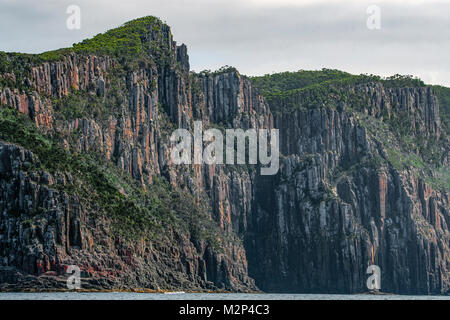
[128, 44]
[130, 39]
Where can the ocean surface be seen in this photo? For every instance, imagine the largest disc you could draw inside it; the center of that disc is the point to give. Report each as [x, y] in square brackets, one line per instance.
[202, 296]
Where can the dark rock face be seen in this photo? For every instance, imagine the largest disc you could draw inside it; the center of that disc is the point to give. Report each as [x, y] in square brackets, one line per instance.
[314, 231]
[67, 233]
[313, 227]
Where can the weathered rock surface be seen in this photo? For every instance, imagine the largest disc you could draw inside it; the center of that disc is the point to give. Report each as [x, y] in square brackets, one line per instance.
[316, 231]
[306, 229]
[59, 232]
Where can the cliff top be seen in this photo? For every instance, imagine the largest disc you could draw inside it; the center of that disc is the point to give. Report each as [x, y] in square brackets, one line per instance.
[285, 84]
[134, 38]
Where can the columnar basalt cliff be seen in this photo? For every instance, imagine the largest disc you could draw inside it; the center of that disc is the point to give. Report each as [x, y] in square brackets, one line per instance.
[86, 177]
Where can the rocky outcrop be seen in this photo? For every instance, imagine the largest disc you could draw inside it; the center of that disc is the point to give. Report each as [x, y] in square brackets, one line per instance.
[337, 205]
[44, 230]
[321, 230]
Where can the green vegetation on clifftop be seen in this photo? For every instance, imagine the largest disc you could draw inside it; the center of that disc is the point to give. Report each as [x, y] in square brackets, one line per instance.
[287, 84]
[146, 38]
[130, 39]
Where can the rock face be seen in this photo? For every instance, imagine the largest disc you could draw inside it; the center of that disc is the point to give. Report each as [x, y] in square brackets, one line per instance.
[316, 230]
[63, 232]
[337, 205]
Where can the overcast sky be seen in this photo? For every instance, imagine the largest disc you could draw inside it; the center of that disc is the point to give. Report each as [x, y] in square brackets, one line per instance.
[258, 36]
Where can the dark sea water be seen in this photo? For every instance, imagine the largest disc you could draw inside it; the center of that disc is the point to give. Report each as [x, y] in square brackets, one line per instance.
[202, 296]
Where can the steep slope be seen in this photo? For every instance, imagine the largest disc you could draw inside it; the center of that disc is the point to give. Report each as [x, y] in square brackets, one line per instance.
[86, 176]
